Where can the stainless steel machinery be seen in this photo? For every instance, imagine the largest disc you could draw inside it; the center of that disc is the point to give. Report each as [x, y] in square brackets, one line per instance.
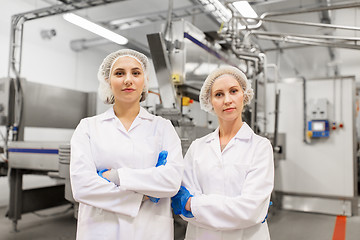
[41, 106]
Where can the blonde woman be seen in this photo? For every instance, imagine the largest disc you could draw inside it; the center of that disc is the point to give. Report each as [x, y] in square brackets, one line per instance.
[229, 174]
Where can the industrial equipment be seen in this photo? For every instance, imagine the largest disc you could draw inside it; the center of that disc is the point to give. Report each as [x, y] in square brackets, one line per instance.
[41, 106]
[318, 126]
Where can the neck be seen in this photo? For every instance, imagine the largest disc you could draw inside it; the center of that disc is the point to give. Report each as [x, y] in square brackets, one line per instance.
[228, 129]
[126, 111]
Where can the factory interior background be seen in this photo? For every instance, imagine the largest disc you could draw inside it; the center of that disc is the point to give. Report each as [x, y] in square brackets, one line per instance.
[302, 58]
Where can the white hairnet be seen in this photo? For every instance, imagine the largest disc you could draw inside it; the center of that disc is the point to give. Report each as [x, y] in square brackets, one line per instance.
[205, 92]
[105, 92]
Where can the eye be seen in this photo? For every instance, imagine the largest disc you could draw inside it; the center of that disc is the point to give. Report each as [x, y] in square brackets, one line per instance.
[233, 91]
[118, 73]
[218, 94]
[137, 73]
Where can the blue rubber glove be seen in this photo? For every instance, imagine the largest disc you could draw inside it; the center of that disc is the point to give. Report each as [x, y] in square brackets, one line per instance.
[266, 213]
[179, 201]
[161, 161]
[162, 158]
[100, 173]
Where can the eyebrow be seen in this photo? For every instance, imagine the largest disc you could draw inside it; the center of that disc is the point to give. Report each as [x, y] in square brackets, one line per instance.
[135, 68]
[235, 86]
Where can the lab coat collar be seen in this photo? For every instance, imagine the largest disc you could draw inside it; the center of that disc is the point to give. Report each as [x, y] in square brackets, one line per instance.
[144, 114]
[110, 114]
[244, 133]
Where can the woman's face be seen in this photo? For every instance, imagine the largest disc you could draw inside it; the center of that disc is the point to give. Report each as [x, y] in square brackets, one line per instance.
[127, 80]
[227, 98]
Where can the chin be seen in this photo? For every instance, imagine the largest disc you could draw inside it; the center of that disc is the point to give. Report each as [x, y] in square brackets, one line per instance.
[128, 99]
[230, 116]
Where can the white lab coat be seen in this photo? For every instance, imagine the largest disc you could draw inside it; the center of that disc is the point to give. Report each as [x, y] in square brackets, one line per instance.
[231, 188]
[107, 211]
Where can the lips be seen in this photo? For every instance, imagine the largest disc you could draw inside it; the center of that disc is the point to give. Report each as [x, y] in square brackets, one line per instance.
[128, 90]
[230, 109]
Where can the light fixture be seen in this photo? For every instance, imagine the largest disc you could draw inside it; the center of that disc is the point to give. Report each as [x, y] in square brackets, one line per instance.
[95, 28]
[221, 13]
[245, 10]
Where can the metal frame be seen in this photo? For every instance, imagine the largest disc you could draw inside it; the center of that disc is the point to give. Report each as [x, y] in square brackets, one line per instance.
[18, 20]
[23, 201]
[304, 39]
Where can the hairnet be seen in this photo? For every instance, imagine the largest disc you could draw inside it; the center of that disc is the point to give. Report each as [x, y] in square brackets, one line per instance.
[205, 92]
[105, 92]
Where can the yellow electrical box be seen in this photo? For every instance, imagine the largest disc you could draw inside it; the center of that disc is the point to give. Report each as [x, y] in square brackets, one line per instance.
[186, 101]
[175, 78]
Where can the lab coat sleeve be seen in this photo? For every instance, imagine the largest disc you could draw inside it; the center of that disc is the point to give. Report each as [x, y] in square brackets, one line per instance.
[88, 187]
[162, 181]
[250, 208]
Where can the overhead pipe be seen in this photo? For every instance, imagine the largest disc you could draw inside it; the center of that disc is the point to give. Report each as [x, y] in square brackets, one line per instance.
[326, 18]
[310, 42]
[317, 9]
[265, 15]
[355, 39]
[324, 25]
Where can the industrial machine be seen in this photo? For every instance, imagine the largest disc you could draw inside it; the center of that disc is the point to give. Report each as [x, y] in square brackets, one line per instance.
[183, 59]
[41, 106]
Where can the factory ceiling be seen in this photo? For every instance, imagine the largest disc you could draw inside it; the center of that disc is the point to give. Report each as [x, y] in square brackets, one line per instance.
[311, 38]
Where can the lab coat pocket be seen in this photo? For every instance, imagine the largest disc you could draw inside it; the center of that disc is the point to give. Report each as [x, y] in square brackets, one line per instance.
[161, 228]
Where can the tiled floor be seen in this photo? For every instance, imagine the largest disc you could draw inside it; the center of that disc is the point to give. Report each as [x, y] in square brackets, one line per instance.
[284, 225]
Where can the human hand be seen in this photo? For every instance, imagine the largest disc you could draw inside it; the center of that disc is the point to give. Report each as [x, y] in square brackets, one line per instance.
[188, 205]
[104, 174]
[180, 200]
[162, 158]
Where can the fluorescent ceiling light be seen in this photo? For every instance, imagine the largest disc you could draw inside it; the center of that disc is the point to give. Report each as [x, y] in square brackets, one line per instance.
[95, 28]
[221, 13]
[245, 10]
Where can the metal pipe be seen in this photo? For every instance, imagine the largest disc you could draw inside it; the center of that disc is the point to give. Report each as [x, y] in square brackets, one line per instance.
[261, 19]
[306, 35]
[308, 42]
[277, 99]
[317, 9]
[277, 148]
[305, 109]
[264, 62]
[324, 25]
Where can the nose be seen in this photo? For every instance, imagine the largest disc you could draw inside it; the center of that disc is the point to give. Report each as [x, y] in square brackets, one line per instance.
[128, 80]
[227, 99]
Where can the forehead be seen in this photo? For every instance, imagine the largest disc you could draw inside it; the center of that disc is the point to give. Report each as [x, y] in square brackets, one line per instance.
[225, 81]
[127, 63]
